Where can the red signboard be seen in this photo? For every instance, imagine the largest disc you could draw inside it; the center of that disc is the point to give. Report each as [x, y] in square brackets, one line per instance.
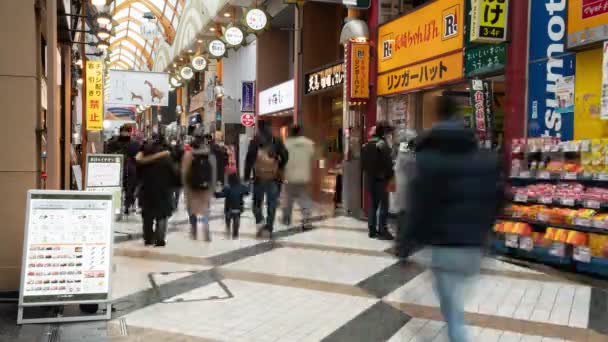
[591, 8]
[248, 120]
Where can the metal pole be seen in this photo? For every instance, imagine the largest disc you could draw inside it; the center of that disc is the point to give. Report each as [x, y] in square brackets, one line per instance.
[83, 93]
[52, 114]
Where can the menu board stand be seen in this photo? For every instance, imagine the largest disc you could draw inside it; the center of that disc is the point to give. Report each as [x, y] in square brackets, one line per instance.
[104, 173]
[67, 254]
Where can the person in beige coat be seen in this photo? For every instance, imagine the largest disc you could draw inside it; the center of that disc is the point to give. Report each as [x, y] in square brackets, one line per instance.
[298, 174]
[198, 201]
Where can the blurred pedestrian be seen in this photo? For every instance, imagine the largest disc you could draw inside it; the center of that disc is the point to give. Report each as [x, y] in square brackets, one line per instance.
[233, 203]
[267, 158]
[377, 165]
[177, 155]
[199, 179]
[157, 177]
[404, 172]
[298, 174]
[453, 202]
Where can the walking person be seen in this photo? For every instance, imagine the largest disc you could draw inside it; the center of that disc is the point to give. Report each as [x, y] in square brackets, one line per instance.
[267, 158]
[377, 165]
[298, 174]
[199, 179]
[177, 155]
[454, 199]
[233, 203]
[157, 177]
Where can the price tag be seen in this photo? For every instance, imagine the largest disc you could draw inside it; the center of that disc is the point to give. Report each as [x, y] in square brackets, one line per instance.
[585, 146]
[545, 200]
[591, 204]
[544, 175]
[568, 202]
[547, 148]
[557, 249]
[517, 214]
[542, 217]
[570, 175]
[526, 243]
[601, 224]
[521, 198]
[602, 176]
[582, 254]
[512, 240]
[587, 175]
[524, 174]
[582, 222]
[517, 149]
[533, 149]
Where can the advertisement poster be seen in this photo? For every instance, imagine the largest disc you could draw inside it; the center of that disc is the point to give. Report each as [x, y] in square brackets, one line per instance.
[479, 110]
[564, 94]
[604, 98]
[67, 248]
[104, 173]
[139, 88]
[549, 62]
[248, 97]
[94, 95]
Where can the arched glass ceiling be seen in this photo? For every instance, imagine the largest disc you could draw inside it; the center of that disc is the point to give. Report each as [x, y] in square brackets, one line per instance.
[129, 49]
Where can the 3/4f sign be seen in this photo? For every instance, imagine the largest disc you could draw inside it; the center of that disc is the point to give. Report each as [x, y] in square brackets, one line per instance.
[489, 21]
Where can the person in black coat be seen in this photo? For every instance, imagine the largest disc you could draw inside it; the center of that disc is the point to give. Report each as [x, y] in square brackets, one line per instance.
[454, 199]
[157, 178]
[261, 187]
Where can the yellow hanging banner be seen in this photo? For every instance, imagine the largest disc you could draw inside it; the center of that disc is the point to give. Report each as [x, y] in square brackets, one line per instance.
[489, 21]
[94, 96]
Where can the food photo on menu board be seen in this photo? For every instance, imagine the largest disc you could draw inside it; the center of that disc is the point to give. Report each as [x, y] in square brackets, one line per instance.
[67, 256]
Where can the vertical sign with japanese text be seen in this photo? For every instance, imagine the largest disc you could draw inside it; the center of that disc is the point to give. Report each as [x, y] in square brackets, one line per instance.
[248, 96]
[479, 110]
[94, 96]
[489, 21]
[359, 71]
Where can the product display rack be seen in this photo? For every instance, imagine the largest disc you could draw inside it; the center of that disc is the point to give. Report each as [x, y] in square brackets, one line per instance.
[559, 205]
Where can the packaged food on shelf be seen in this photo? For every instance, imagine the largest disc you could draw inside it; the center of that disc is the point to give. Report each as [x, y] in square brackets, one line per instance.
[599, 245]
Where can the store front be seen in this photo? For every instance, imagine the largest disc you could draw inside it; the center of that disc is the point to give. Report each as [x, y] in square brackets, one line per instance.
[275, 108]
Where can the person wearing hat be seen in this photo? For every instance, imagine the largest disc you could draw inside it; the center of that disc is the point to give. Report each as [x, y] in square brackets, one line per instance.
[378, 168]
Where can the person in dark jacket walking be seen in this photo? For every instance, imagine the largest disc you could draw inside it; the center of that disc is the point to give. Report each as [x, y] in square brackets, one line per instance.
[455, 197]
[266, 157]
[157, 177]
[233, 203]
[377, 165]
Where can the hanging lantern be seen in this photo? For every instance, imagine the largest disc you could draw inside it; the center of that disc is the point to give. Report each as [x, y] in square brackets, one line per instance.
[234, 36]
[199, 63]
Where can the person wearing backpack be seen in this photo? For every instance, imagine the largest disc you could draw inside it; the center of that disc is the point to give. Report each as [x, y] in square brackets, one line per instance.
[199, 179]
[377, 165]
[266, 159]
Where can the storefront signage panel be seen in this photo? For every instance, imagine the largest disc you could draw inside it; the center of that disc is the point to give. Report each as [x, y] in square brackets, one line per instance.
[94, 95]
[489, 21]
[483, 117]
[67, 248]
[485, 59]
[104, 174]
[324, 79]
[358, 67]
[422, 75]
[430, 31]
[277, 98]
[587, 21]
[248, 96]
[548, 63]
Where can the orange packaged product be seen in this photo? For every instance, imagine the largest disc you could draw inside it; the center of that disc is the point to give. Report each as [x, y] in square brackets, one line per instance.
[577, 238]
[561, 235]
[550, 234]
[507, 227]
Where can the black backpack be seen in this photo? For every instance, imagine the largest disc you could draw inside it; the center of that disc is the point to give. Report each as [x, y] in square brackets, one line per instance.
[201, 173]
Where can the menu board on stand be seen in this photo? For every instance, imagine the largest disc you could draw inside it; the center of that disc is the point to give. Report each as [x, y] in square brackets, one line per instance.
[67, 253]
[104, 173]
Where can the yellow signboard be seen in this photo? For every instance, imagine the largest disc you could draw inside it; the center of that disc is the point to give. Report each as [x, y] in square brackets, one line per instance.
[432, 30]
[587, 21]
[94, 96]
[359, 71]
[489, 21]
[422, 75]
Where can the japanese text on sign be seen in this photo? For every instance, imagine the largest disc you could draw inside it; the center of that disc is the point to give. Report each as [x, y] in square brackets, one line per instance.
[484, 59]
[94, 96]
[425, 74]
[324, 79]
[489, 21]
[359, 71]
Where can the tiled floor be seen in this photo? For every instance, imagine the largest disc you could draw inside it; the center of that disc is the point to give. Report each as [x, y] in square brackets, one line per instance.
[331, 284]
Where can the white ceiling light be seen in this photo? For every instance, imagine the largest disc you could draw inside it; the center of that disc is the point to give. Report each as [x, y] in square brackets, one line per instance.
[98, 3]
[103, 34]
[354, 29]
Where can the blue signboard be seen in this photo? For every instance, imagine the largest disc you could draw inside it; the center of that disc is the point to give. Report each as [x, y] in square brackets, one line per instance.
[248, 97]
[549, 61]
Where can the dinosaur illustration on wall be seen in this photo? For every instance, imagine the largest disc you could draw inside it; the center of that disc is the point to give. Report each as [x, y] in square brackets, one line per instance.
[136, 97]
[155, 92]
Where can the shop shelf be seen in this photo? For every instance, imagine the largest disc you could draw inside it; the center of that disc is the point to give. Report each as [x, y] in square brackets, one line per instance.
[535, 223]
[556, 202]
[597, 266]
